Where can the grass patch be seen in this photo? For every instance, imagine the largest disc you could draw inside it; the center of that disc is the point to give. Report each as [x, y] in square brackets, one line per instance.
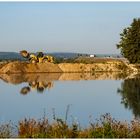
[7, 130]
[104, 127]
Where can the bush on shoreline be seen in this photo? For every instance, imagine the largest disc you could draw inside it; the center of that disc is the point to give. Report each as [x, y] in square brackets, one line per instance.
[105, 127]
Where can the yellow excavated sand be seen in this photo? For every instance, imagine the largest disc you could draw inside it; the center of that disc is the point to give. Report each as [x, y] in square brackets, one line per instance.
[25, 67]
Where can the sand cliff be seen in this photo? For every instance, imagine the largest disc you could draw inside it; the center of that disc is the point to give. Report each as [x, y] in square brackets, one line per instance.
[25, 67]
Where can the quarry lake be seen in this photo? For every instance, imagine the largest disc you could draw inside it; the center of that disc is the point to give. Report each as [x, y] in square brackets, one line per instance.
[83, 97]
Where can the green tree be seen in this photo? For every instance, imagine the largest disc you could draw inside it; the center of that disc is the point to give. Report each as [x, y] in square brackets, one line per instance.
[130, 42]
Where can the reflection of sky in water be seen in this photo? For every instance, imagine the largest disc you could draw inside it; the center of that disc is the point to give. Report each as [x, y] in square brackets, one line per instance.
[86, 97]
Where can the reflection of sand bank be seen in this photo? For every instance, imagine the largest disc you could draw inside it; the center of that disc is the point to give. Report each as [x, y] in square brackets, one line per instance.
[19, 78]
[91, 76]
[42, 77]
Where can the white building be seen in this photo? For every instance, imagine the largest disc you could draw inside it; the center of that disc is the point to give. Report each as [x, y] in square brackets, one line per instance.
[91, 55]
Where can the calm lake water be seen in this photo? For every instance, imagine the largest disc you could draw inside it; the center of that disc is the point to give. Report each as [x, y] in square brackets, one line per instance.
[88, 96]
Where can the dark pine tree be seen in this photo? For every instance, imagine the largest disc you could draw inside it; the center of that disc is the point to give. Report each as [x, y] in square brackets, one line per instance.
[130, 42]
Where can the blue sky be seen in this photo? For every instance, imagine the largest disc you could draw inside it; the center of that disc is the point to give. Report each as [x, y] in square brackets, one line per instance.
[84, 27]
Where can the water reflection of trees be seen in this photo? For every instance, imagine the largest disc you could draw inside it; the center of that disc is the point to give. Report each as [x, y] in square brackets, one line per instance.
[39, 86]
[130, 92]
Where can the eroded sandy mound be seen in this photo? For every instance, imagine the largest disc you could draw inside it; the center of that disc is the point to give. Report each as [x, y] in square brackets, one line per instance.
[24, 67]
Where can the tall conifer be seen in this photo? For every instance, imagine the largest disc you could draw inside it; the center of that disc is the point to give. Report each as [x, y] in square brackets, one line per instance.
[130, 42]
